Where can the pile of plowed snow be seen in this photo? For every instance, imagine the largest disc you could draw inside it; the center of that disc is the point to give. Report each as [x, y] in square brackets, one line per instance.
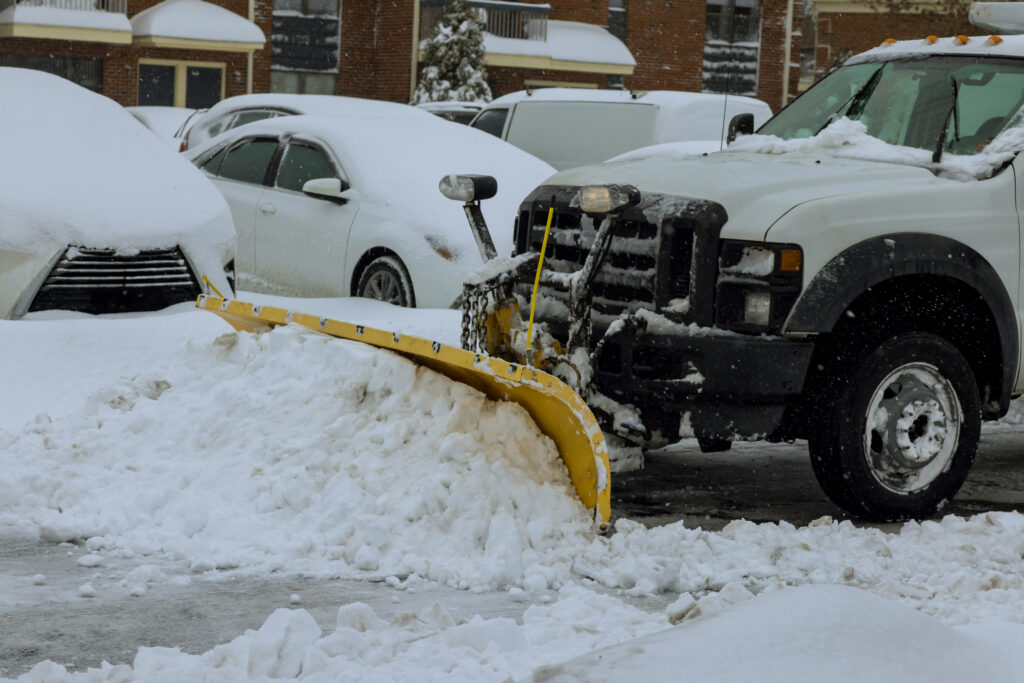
[290, 450]
[287, 451]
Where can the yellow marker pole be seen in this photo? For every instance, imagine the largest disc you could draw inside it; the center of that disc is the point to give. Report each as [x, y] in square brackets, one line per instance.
[215, 290]
[536, 280]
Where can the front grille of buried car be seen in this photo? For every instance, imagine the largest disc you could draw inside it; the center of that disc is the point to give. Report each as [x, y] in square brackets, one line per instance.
[105, 281]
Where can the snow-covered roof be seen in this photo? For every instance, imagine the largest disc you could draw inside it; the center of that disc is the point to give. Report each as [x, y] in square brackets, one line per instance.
[986, 46]
[570, 45]
[27, 21]
[195, 24]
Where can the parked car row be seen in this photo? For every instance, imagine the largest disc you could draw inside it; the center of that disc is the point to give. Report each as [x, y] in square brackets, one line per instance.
[328, 196]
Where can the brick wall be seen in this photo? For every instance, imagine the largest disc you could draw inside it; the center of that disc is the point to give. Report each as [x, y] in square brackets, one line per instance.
[842, 34]
[666, 38]
[376, 49]
[586, 11]
[504, 80]
[773, 52]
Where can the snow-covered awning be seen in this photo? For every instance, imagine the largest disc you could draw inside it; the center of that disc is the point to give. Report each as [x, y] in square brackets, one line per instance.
[197, 25]
[43, 21]
[570, 46]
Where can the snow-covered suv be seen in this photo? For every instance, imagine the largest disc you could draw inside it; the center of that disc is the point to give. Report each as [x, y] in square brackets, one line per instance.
[850, 275]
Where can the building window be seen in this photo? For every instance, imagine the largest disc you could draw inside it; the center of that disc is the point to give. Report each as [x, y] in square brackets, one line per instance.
[87, 73]
[303, 82]
[617, 19]
[170, 83]
[732, 36]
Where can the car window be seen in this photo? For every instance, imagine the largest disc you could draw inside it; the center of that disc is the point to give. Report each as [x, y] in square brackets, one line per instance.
[214, 128]
[212, 165]
[491, 121]
[245, 117]
[248, 161]
[302, 163]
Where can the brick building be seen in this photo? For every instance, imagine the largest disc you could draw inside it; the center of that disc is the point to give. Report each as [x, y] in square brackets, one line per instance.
[370, 48]
[839, 28]
[171, 52]
[193, 52]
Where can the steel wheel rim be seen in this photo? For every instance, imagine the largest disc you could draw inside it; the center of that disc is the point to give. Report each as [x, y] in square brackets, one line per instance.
[384, 286]
[912, 427]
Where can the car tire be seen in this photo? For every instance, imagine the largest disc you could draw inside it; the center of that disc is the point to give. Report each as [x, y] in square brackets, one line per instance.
[386, 279]
[901, 434]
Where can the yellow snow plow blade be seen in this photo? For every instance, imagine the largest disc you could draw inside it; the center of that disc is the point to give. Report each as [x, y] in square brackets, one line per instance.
[559, 412]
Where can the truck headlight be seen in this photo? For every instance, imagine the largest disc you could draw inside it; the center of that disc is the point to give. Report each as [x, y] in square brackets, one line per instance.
[757, 307]
[758, 283]
[607, 198]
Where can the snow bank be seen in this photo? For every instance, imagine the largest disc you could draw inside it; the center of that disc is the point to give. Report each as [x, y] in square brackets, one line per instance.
[808, 634]
[288, 452]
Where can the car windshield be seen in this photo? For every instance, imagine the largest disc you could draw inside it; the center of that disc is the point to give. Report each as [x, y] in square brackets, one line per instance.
[965, 101]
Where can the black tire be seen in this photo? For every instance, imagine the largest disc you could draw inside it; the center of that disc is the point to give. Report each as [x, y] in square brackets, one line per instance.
[386, 279]
[900, 434]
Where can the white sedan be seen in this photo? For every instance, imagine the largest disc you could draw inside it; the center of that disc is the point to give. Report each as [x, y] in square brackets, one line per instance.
[349, 205]
[97, 214]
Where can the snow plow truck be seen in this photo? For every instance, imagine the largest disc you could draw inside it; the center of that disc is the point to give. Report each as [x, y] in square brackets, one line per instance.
[850, 275]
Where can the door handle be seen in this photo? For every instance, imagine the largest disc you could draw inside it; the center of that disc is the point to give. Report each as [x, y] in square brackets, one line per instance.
[268, 209]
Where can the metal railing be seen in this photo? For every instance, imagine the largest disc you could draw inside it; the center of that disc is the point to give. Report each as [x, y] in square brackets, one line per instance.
[520, 20]
[117, 6]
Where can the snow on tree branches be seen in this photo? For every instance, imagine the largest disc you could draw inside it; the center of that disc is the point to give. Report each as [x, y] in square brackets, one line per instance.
[454, 59]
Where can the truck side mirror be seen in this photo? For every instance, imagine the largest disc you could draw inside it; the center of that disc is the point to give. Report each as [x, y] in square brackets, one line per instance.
[741, 124]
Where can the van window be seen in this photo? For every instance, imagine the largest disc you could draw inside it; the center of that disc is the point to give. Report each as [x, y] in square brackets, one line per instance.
[491, 121]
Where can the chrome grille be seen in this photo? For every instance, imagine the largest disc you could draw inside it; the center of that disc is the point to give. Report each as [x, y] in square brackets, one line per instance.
[105, 281]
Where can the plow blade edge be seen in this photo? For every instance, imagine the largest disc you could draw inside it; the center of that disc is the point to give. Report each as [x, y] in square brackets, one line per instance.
[558, 411]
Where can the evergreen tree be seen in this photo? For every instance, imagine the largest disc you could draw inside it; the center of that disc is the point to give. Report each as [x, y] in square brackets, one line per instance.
[454, 59]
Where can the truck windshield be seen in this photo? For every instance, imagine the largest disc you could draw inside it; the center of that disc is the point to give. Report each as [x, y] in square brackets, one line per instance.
[910, 102]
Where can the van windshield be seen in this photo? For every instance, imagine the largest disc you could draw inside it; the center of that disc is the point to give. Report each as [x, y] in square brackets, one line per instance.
[913, 102]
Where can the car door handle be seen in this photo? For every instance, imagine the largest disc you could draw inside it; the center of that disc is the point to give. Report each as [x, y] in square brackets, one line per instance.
[268, 209]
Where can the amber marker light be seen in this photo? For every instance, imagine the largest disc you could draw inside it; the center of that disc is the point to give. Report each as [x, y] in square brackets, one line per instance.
[961, 40]
[993, 40]
[889, 41]
[931, 39]
[790, 260]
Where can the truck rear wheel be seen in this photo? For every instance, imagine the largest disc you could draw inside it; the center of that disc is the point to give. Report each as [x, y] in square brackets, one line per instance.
[902, 432]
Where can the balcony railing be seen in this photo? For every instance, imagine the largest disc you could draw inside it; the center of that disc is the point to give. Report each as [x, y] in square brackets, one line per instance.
[519, 20]
[116, 6]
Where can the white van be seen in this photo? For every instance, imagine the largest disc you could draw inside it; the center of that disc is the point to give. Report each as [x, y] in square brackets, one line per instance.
[569, 127]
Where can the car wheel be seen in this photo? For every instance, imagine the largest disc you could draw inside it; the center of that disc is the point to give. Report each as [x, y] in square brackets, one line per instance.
[901, 435]
[386, 279]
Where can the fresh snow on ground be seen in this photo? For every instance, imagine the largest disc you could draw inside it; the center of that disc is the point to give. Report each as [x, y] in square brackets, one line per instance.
[174, 440]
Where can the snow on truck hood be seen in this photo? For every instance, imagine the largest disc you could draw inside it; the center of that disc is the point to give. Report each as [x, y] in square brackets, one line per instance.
[80, 170]
[760, 178]
[755, 189]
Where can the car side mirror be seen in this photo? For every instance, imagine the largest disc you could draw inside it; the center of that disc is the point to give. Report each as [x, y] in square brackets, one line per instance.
[741, 124]
[330, 189]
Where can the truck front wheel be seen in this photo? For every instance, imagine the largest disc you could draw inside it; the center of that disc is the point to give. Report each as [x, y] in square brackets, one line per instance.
[900, 436]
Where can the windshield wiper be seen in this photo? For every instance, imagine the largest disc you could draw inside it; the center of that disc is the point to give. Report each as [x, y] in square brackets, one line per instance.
[953, 115]
[856, 101]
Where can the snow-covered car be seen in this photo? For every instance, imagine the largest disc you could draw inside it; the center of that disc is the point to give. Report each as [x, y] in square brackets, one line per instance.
[349, 205]
[238, 111]
[169, 123]
[96, 213]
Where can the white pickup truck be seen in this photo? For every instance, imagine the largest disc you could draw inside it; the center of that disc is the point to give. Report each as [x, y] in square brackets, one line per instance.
[849, 275]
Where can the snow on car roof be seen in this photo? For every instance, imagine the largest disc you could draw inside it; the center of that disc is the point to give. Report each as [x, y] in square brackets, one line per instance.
[96, 177]
[984, 46]
[400, 162]
[328, 105]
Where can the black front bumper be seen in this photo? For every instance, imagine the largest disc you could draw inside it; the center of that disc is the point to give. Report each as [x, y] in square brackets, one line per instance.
[708, 385]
